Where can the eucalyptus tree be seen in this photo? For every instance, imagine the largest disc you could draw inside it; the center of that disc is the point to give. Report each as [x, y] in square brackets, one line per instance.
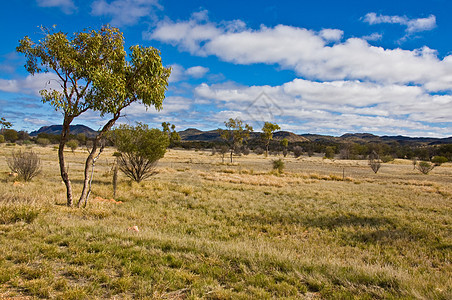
[235, 134]
[95, 74]
[267, 134]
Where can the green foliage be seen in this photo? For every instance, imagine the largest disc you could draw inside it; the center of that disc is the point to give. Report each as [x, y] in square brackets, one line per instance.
[425, 167]
[42, 141]
[5, 124]
[284, 142]
[267, 133]
[2, 138]
[278, 165]
[81, 138]
[73, 144]
[439, 160]
[387, 158]
[173, 136]
[10, 214]
[26, 164]
[235, 134]
[140, 149]
[10, 135]
[329, 152]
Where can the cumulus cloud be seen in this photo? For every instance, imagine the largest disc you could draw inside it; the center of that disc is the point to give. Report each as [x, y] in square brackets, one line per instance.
[412, 25]
[67, 6]
[124, 12]
[307, 52]
[30, 84]
[345, 106]
[179, 73]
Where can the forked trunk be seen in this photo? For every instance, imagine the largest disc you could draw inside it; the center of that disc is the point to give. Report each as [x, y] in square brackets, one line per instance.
[63, 170]
[89, 160]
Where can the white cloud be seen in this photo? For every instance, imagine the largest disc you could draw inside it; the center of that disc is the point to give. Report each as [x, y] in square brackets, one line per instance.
[332, 35]
[32, 84]
[124, 12]
[35, 121]
[67, 6]
[345, 106]
[179, 73]
[308, 53]
[373, 37]
[412, 25]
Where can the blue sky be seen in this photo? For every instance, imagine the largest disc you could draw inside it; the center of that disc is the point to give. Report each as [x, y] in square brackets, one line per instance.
[325, 67]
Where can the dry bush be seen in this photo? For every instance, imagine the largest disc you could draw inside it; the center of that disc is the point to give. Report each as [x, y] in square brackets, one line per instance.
[374, 162]
[297, 151]
[424, 167]
[26, 164]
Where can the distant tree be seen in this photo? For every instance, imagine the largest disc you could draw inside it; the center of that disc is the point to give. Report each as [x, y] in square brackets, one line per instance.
[267, 134]
[73, 144]
[173, 136]
[259, 151]
[2, 138]
[439, 160]
[42, 141]
[374, 161]
[140, 148]
[94, 75]
[235, 134]
[81, 138]
[223, 150]
[425, 167]
[26, 164]
[23, 135]
[329, 152]
[10, 135]
[297, 151]
[284, 143]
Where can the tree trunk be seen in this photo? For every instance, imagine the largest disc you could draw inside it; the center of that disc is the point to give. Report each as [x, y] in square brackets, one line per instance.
[63, 171]
[232, 150]
[89, 159]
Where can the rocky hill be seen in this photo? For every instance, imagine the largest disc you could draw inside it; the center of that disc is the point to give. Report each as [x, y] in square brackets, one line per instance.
[56, 129]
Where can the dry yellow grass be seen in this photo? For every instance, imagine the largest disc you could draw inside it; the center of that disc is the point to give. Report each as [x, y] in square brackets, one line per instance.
[323, 229]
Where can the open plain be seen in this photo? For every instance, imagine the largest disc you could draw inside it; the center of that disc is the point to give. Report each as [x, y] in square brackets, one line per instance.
[200, 228]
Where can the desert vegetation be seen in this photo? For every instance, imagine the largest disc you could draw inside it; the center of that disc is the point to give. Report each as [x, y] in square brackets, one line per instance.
[200, 228]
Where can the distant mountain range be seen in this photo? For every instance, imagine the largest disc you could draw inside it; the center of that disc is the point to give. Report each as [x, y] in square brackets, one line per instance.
[74, 129]
[196, 135]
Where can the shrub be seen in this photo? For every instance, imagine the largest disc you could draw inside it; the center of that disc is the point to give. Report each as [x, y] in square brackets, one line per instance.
[73, 144]
[278, 165]
[387, 158]
[245, 151]
[140, 148]
[43, 141]
[26, 164]
[297, 151]
[285, 152]
[2, 139]
[259, 151]
[439, 160]
[425, 167]
[10, 135]
[329, 152]
[374, 162]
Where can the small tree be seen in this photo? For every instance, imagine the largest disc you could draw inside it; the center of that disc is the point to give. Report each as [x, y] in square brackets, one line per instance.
[439, 160]
[329, 152]
[93, 74]
[73, 144]
[223, 150]
[297, 151]
[284, 143]
[374, 161]
[235, 134]
[173, 136]
[425, 167]
[26, 164]
[43, 141]
[278, 165]
[2, 138]
[140, 149]
[267, 134]
[10, 135]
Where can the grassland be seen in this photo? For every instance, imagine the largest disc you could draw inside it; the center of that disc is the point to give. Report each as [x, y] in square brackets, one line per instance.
[322, 230]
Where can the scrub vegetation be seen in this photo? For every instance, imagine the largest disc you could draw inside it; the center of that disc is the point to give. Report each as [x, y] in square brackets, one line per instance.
[200, 228]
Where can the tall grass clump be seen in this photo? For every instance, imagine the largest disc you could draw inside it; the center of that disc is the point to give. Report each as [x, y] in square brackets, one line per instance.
[26, 164]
